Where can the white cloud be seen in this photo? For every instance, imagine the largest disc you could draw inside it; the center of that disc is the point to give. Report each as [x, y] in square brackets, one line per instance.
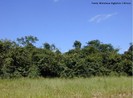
[101, 17]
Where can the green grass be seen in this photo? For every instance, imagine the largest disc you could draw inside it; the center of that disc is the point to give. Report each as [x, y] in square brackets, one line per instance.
[96, 87]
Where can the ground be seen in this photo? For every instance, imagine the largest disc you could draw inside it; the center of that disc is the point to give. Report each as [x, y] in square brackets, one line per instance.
[95, 87]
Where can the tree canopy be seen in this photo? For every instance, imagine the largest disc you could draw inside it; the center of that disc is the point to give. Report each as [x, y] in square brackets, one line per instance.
[23, 59]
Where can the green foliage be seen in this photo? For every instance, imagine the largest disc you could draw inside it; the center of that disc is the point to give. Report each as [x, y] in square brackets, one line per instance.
[95, 59]
[77, 44]
[46, 46]
[127, 61]
[27, 40]
[33, 71]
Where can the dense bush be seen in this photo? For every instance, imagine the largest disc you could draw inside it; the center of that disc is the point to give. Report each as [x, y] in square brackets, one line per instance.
[23, 59]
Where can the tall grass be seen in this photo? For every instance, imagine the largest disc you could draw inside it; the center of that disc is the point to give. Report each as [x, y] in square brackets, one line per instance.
[96, 87]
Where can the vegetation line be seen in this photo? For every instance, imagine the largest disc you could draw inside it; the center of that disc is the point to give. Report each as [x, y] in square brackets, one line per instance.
[23, 59]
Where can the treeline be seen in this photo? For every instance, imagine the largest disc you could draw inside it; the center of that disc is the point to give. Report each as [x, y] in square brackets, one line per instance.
[23, 59]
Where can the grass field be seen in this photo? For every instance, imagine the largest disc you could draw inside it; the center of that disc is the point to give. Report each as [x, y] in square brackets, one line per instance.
[96, 87]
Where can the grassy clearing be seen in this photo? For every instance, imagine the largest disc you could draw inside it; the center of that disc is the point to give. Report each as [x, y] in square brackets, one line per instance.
[96, 87]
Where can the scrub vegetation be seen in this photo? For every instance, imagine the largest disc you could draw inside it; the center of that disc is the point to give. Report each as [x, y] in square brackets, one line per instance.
[23, 59]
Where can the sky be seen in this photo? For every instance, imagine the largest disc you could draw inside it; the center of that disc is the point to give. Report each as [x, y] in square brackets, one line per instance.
[61, 22]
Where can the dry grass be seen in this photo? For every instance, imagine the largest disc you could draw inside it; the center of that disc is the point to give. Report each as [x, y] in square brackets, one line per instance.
[96, 87]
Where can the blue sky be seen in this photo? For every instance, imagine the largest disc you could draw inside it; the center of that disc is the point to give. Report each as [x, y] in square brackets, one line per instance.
[61, 22]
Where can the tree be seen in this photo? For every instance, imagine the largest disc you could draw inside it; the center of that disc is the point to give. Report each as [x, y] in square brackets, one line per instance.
[127, 61]
[6, 47]
[77, 44]
[94, 43]
[46, 46]
[27, 40]
[107, 48]
[95, 59]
